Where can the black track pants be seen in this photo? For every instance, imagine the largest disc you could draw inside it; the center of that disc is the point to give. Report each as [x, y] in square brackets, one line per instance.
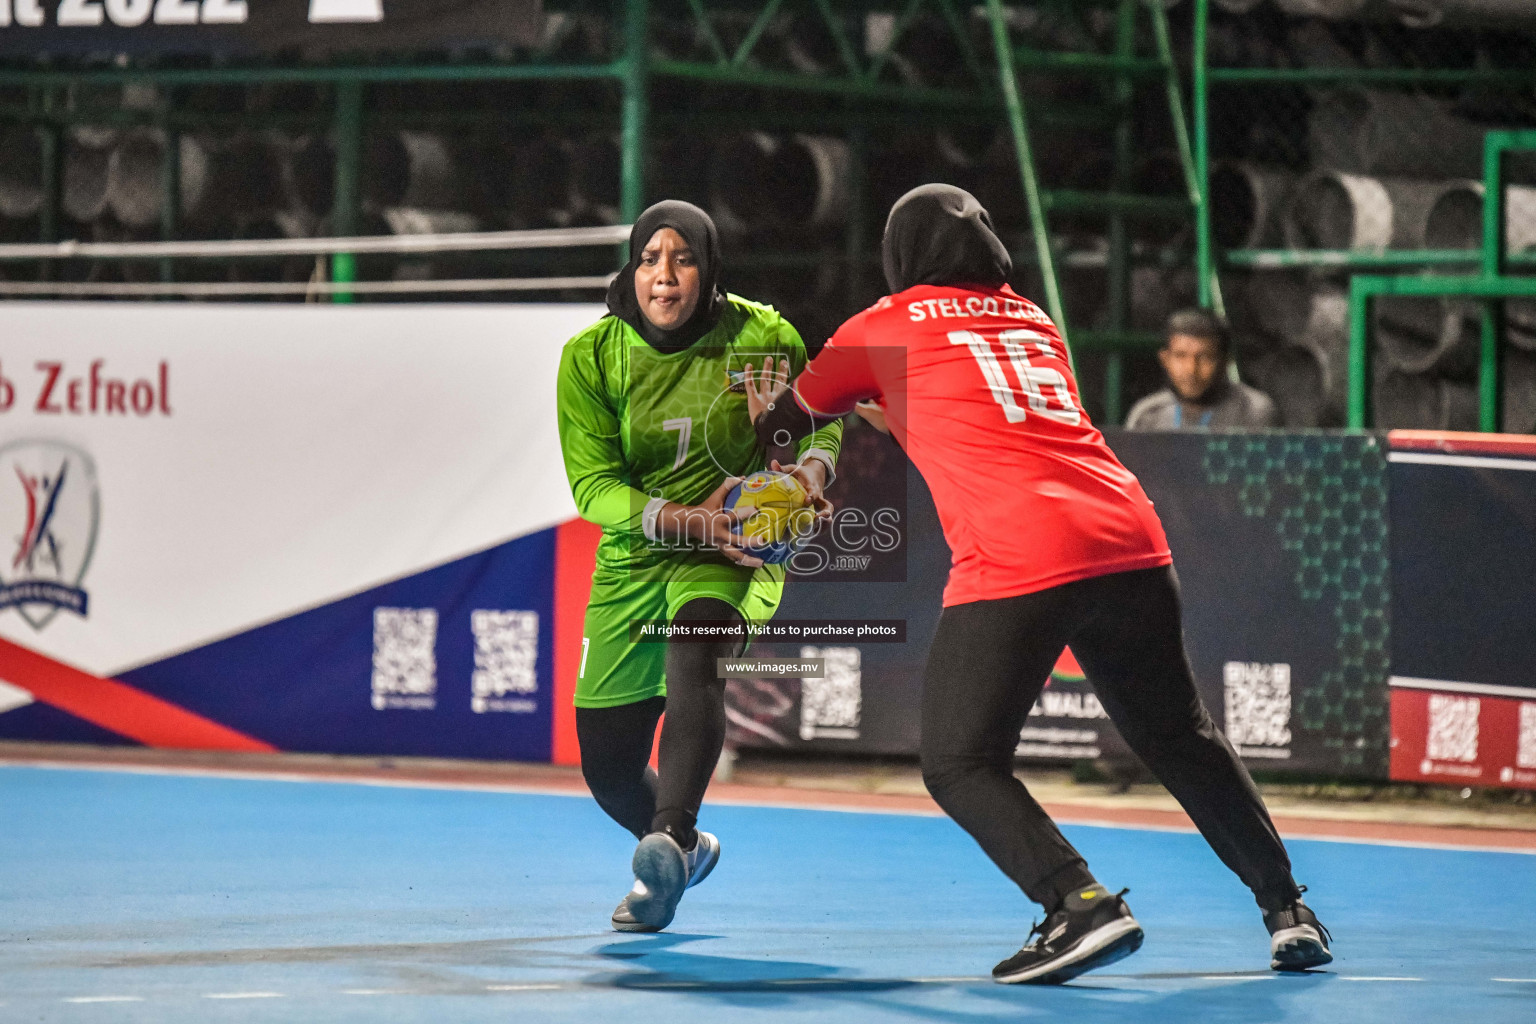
[615, 759]
[987, 666]
[616, 742]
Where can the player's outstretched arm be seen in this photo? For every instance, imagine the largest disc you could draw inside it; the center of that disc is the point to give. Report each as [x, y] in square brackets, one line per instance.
[830, 387]
[767, 388]
[776, 415]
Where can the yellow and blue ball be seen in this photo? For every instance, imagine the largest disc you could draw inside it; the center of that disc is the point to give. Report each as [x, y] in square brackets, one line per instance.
[784, 520]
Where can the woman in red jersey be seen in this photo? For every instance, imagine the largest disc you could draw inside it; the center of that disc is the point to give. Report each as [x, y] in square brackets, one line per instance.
[1054, 543]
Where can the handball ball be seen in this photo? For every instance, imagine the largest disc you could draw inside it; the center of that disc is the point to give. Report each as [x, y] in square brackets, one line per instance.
[784, 519]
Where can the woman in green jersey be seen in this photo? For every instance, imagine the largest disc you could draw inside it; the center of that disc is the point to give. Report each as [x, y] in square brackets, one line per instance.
[654, 433]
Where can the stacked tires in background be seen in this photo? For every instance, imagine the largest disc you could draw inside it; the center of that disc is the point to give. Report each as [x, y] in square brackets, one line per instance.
[267, 184]
[1333, 166]
[799, 190]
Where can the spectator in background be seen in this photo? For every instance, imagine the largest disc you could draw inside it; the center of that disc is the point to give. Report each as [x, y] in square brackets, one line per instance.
[1201, 391]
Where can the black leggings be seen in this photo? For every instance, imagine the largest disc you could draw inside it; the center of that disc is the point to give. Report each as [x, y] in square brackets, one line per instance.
[616, 742]
[987, 666]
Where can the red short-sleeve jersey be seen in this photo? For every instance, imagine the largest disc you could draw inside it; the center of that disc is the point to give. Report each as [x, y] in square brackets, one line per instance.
[977, 388]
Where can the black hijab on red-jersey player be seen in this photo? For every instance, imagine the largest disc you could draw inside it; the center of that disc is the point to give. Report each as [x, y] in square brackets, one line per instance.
[935, 234]
[698, 230]
[940, 235]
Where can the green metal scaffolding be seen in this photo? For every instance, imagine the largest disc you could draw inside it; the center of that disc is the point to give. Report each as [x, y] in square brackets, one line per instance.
[1492, 285]
[865, 99]
[1492, 281]
[634, 70]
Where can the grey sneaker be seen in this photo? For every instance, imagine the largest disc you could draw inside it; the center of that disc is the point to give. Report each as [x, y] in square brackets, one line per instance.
[702, 858]
[663, 870]
[1297, 939]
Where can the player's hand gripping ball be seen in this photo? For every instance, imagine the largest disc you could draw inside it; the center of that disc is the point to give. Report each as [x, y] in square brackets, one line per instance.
[784, 521]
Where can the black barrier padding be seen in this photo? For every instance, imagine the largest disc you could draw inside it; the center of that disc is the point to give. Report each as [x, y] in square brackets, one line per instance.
[1280, 541]
[1464, 581]
[891, 675]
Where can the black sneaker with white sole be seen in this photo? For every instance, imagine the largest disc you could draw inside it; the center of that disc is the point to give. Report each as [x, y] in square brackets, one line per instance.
[1092, 928]
[651, 904]
[1297, 939]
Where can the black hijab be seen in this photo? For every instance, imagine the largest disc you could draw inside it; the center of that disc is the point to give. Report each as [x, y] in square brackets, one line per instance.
[699, 232]
[940, 234]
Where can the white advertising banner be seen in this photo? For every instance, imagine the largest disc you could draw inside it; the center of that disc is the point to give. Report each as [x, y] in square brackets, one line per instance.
[174, 474]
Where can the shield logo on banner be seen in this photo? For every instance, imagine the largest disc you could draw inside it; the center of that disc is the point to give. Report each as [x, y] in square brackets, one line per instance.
[49, 511]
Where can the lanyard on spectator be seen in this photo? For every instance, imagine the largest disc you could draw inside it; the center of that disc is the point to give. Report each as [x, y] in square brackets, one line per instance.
[1178, 416]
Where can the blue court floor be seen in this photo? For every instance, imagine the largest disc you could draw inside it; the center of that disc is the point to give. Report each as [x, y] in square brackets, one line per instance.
[140, 897]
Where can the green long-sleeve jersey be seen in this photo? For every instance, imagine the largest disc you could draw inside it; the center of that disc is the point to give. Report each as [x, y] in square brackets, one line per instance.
[637, 424]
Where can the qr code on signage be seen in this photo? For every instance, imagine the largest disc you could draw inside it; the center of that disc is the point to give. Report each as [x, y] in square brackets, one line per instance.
[404, 664]
[830, 705]
[1525, 753]
[1453, 728]
[1258, 704]
[506, 652]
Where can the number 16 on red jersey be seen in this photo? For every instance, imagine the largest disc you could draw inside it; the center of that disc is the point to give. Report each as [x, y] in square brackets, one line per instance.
[1045, 388]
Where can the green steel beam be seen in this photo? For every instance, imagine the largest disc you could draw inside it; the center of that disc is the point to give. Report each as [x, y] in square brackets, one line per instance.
[1490, 319]
[1369, 76]
[1019, 127]
[1119, 240]
[349, 159]
[701, 19]
[749, 41]
[1358, 412]
[786, 81]
[1365, 288]
[983, 112]
[1495, 145]
[888, 116]
[1205, 266]
[1432, 286]
[1196, 178]
[52, 174]
[636, 108]
[1490, 331]
[1494, 263]
[1281, 259]
[1175, 91]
